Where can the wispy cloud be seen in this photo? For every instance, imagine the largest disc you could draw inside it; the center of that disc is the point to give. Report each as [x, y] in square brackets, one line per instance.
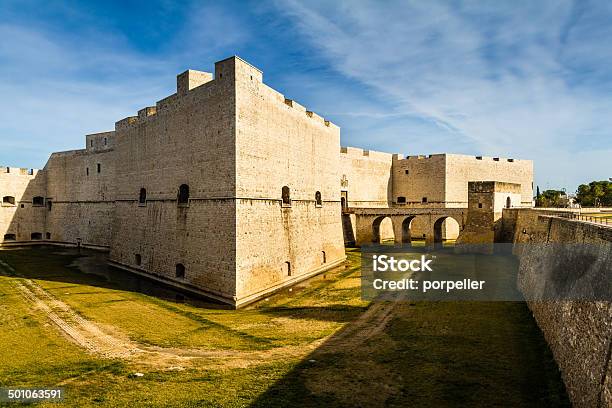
[59, 85]
[510, 78]
[527, 79]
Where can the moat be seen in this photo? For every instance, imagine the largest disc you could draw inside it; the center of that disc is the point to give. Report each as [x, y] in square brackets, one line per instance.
[315, 344]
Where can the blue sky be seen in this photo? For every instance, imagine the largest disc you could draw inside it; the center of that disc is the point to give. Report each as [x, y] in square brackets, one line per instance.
[512, 79]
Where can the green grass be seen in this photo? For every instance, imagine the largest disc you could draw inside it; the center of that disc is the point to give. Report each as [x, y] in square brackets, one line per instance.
[434, 354]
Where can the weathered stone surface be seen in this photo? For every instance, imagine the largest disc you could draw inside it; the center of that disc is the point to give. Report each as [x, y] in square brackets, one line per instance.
[579, 332]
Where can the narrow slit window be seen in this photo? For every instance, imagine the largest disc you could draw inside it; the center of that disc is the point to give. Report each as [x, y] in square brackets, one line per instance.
[286, 196]
[142, 197]
[318, 200]
[183, 194]
[180, 270]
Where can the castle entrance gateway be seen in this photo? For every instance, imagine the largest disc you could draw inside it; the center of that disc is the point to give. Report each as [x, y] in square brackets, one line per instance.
[368, 223]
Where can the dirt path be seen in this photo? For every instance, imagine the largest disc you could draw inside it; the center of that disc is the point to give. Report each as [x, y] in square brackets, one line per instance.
[108, 342]
[372, 322]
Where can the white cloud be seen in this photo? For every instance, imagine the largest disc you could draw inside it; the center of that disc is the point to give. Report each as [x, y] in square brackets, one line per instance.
[58, 86]
[502, 76]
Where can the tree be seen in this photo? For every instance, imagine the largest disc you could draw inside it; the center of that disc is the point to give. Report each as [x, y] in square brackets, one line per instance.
[595, 194]
[552, 198]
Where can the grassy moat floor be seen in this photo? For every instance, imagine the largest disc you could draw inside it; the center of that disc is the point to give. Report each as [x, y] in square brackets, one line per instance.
[317, 344]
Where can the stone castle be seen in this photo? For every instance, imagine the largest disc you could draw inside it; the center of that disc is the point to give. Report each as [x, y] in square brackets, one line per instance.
[229, 189]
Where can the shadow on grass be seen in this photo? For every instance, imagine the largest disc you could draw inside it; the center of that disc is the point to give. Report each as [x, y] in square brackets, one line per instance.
[430, 354]
[89, 267]
[331, 313]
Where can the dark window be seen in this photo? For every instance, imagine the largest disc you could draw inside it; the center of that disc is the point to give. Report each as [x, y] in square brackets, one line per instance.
[8, 200]
[36, 235]
[87, 171]
[407, 171]
[10, 237]
[180, 270]
[8, 169]
[99, 167]
[48, 235]
[424, 199]
[478, 157]
[142, 198]
[323, 257]
[137, 259]
[286, 195]
[38, 201]
[401, 200]
[496, 159]
[287, 268]
[318, 199]
[183, 194]
[105, 141]
[479, 205]
[508, 202]
[91, 143]
[49, 204]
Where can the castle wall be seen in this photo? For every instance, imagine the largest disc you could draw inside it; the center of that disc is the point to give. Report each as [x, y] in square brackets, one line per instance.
[81, 189]
[420, 181]
[279, 143]
[23, 217]
[366, 175]
[578, 332]
[460, 169]
[186, 139]
[441, 180]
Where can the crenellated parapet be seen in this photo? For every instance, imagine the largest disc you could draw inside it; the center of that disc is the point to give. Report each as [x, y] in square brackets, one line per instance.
[231, 69]
[356, 152]
[310, 114]
[18, 171]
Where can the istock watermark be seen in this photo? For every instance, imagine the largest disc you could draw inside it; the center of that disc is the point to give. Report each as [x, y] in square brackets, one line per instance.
[508, 273]
[384, 263]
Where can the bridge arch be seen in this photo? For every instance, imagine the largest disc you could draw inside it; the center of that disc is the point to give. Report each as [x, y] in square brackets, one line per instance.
[382, 229]
[438, 235]
[406, 233]
[375, 224]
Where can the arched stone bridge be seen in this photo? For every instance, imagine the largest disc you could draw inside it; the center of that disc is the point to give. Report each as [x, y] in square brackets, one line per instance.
[365, 223]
